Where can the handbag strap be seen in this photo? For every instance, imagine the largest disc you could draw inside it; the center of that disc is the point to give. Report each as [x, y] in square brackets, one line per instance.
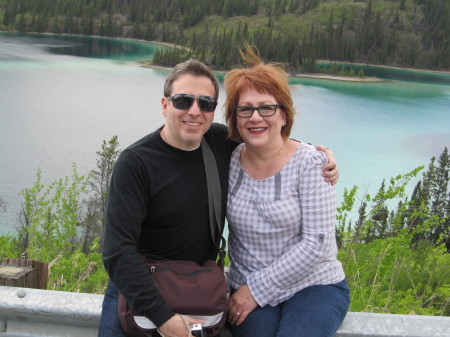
[214, 199]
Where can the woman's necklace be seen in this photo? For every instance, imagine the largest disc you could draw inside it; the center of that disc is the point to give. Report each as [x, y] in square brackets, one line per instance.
[281, 150]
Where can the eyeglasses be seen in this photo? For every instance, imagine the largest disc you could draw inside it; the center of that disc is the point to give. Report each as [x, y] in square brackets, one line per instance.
[185, 101]
[263, 110]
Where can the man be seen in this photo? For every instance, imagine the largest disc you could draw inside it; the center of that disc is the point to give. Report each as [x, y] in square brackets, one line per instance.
[157, 203]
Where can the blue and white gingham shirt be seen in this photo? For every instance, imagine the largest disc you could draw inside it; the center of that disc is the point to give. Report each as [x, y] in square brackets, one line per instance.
[282, 229]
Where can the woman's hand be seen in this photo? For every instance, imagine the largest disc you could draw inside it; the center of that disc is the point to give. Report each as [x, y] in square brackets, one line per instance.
[240, 304]
[330, 170]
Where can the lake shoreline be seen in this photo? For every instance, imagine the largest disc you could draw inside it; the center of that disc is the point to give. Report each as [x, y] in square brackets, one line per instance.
[442, 72]
[149, 64]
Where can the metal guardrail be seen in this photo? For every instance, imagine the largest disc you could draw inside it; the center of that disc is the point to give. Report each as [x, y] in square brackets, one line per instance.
[28, 312]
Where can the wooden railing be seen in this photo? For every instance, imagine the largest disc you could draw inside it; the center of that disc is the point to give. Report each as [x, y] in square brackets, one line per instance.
[24, 273]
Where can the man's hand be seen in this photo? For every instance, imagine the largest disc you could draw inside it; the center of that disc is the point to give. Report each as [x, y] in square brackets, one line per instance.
[178, 326]
[330, 170]
[240, 304]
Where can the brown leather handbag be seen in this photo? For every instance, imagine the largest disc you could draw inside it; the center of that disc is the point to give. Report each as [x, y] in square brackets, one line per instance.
[188, 288]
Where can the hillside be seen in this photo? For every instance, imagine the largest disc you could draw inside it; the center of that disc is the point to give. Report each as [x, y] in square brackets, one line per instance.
[402, 33]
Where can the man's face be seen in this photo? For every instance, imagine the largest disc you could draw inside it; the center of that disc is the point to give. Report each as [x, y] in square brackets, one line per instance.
[184, 128]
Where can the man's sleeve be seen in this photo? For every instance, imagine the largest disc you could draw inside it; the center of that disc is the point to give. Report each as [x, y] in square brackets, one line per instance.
[126, 209]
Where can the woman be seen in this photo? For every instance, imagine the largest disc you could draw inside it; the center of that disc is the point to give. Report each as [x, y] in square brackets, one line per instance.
[284, 276]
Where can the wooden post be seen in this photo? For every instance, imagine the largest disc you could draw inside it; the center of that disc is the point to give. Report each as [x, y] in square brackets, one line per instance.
[24, 273]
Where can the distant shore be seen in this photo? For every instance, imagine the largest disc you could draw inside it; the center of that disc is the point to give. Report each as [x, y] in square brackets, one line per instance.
[149, 64]
[444, 72]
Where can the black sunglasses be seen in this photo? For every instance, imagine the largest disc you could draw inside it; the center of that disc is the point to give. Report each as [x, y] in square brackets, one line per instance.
[185, 101]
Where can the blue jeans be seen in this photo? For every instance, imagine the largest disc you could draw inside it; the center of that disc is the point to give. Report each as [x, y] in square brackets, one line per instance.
[109, 320]
[316, 311]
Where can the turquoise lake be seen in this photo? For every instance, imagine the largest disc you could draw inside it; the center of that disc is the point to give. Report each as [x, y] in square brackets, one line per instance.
[61, 96]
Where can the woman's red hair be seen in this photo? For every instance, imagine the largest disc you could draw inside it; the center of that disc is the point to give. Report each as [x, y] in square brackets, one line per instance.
[269, 78]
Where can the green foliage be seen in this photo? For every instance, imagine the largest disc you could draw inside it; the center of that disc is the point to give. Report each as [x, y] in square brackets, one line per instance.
[62, 224]
[52, 215]
[343, 70]
[386, 275]
[295, 32]
[79, 272]
[399, 261]
[49, 233]
[7, 247]
[169, 57]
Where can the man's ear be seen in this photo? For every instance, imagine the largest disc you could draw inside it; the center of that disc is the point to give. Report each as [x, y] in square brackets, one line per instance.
[164, 103]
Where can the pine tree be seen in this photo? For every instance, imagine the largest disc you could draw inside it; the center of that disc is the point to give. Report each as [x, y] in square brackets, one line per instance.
[359, 234]
[99, 182]
[440, 197]
[7, 15]
[22, 24]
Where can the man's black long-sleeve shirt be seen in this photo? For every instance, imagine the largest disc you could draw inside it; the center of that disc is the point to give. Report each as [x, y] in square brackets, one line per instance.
[158, 206]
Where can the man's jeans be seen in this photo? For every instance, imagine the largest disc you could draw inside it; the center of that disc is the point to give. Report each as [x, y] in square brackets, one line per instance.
[316, 311]
[109, 321]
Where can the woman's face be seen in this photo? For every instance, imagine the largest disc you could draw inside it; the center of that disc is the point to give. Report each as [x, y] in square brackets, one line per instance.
[257, 131]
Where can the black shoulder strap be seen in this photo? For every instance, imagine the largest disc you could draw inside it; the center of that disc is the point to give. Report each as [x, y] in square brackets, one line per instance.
[214, 199]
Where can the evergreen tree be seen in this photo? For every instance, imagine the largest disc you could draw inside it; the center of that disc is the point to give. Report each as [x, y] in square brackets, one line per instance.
[7, 16]
[22, 27]
[359, 234]
[440, 198]
[149, 34]
[93, 223]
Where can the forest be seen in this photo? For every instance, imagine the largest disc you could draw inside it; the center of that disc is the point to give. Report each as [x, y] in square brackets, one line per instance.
[298, 33]
[396, 259]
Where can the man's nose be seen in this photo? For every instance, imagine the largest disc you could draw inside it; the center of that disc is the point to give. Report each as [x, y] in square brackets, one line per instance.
[195, 109]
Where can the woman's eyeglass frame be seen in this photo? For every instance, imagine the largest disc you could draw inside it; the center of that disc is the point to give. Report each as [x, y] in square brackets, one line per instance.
[266, 110]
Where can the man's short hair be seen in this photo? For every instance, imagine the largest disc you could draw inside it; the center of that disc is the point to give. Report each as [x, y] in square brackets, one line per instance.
[193, 67]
